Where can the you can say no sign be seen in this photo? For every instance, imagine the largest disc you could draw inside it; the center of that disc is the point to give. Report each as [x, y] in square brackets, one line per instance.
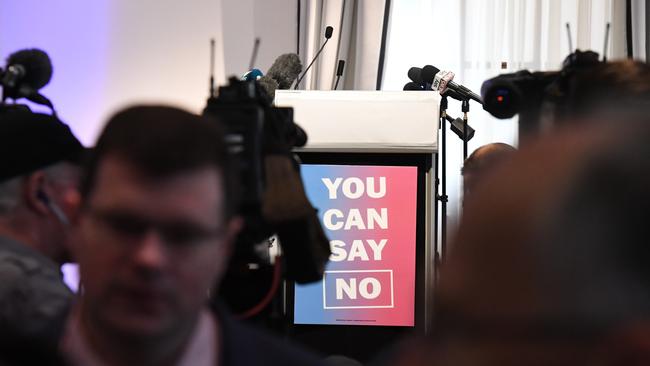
[369, 215]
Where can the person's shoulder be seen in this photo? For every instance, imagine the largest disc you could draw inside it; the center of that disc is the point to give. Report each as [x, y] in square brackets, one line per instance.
[246, 345]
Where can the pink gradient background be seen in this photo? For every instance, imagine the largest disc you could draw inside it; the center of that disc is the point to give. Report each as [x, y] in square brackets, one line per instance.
[398, 255]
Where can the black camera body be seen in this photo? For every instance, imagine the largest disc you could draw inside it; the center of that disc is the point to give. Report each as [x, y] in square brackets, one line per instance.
[260, 139]
[254, 128]
[525, 92]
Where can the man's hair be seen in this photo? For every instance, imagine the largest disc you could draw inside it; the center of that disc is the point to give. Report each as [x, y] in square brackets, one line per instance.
[162, 142]
[9, 195]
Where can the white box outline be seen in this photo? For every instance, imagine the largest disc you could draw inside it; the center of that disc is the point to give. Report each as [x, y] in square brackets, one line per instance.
[392, 290]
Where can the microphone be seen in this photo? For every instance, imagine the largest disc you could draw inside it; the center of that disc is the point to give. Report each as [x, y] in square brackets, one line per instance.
[12, 75]
[328, 35]
[442, 80]
[413, 86]
[328, 32]
[285, 69]
[27, 71]
[339, 72]
[415, 74]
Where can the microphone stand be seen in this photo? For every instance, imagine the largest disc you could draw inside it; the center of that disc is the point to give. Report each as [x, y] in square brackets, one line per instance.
[311, 63]
[465, 109]
[443, 198]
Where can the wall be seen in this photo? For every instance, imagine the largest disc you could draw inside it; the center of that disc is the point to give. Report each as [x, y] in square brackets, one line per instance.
[110, 53]
[273, 21]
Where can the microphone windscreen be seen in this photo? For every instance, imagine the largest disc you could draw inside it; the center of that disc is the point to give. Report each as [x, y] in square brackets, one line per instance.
[269, 85]
[285, 70]
[328, 32]
[415, 74]
[428, 73]
[37, 64]
[413, 86]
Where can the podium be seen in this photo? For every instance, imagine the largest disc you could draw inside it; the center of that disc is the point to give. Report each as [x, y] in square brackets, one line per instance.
[369, 167]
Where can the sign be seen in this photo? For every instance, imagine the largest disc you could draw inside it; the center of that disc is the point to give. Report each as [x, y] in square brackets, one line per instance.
[369, 215]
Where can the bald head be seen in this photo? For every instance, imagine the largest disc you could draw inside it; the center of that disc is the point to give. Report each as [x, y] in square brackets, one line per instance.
[482, 160]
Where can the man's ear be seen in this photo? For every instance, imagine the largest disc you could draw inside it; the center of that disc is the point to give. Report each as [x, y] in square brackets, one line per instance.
[33, 192]
[72, 202]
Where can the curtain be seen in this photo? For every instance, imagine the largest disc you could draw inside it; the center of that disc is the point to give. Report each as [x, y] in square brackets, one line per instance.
[479, 39]
[357, 38]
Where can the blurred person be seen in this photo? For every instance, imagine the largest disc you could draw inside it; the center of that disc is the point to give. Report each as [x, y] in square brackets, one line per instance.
[615, 89]
[552, 266]
[481, 161]
[39, 178]
[156, 226]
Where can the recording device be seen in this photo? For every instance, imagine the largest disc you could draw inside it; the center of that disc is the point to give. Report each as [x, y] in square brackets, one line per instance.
[506, 95]
[26, 72]
[457, 128]
[328, 34]
[254, 129]
[260, 135]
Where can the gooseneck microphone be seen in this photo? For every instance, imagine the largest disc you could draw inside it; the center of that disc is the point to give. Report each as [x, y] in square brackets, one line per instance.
[339, 72]
[328, 34]
[442, 80]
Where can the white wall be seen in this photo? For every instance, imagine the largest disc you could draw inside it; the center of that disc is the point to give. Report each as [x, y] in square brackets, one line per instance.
[111, 53]
[273, 21]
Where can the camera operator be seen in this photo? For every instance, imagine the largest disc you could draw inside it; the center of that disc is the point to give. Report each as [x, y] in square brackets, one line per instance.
[38, 194]
[156, 228]
[620, 87]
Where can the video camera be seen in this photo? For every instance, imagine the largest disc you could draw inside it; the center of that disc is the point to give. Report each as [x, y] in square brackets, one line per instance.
[261, 138]
[525, 93]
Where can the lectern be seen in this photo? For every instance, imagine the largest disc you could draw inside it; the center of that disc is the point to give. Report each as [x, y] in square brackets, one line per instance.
[369, 169]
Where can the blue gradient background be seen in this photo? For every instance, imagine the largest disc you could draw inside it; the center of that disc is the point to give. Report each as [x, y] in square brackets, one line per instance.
[398, 254]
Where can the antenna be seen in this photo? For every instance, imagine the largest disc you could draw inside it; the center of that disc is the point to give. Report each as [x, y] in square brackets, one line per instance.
[256, 46]
[212, 68]
[606, 42]
[568, 33]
